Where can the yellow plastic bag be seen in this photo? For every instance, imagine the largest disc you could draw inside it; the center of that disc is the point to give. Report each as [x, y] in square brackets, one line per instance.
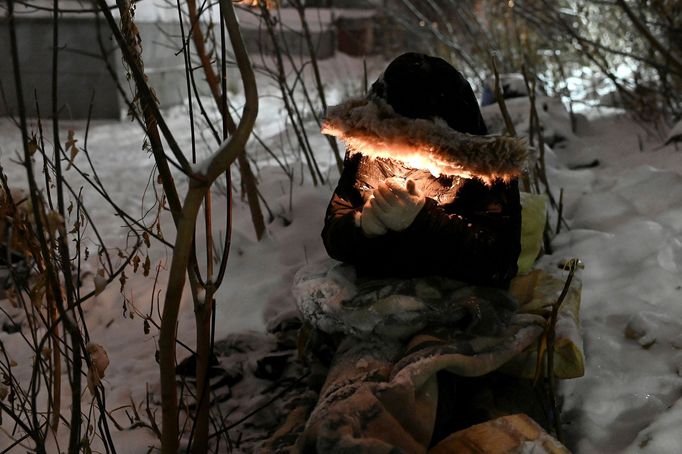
[533, 218]
[536, 292]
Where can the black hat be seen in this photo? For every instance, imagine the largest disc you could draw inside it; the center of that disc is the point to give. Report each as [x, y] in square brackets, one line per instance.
[420, 86]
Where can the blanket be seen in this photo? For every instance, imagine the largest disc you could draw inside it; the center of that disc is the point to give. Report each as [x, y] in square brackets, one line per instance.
[381, 391]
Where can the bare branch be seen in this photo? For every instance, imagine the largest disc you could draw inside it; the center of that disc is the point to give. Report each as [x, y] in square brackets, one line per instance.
[646, 33]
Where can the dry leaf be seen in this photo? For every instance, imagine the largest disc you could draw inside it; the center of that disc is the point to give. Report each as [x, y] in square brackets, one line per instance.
[33, 145]
[147, 266]
[100, 282]
[99, 361]
[76, 227]
[123, 280]
[37, 293]
[55, 221]
[70, 145]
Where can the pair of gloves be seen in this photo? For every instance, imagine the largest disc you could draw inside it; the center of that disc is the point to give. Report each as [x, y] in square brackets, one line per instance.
[393, 206]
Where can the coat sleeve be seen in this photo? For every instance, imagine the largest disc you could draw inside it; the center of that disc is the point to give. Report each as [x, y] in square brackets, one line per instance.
[480, 243]
[342, 234]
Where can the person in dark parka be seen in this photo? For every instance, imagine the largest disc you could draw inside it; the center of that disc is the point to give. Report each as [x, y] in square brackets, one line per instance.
[390, 219]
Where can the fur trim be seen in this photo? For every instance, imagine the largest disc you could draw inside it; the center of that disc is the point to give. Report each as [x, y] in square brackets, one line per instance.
[372, 127]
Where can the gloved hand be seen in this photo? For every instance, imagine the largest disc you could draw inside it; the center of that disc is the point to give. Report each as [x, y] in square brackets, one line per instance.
[397, 203]
[369, 221]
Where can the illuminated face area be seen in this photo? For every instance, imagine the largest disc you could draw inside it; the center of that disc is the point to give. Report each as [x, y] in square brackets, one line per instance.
[417, 158]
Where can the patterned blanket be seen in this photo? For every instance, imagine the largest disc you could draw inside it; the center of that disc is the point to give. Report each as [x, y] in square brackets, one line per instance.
[381, 391]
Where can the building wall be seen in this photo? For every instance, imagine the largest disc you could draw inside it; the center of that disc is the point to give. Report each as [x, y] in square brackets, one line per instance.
[80, 72]
[82, 69]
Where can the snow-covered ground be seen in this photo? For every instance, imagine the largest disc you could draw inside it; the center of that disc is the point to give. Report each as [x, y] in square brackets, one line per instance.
[626, 225]
[625, 216]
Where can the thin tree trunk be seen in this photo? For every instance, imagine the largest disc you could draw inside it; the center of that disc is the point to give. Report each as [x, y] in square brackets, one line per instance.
[222, 159]
[213, 81]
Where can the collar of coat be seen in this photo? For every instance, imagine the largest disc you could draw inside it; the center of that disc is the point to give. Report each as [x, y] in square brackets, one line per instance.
[370, 126]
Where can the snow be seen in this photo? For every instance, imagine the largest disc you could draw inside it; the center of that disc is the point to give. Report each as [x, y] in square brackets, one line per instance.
[625, 220]
[675, 133]
[625, 216]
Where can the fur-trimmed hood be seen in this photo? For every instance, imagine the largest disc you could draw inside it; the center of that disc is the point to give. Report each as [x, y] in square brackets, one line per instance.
[370, 126]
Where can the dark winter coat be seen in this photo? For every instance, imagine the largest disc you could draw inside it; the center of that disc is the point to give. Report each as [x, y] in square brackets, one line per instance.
[465, 230]
[470, 226]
